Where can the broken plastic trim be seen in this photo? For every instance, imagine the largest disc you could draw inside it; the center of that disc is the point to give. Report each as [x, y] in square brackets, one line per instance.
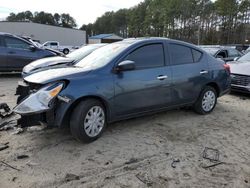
[64, 98]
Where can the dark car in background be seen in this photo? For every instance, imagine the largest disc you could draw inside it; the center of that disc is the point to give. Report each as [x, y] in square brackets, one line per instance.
[122, 80]
[16, 52]
[47, 63]
[222, 52]
[240, 74]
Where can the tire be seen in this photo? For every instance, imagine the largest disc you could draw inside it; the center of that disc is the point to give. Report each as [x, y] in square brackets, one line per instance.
[201, 106]
[66, 51]
[81, 122]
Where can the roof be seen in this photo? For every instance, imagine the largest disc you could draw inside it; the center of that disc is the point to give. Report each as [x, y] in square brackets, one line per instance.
[106, 36]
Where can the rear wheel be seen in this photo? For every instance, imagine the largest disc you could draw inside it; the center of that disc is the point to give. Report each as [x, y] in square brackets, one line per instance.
[206, 101]
[88, 120]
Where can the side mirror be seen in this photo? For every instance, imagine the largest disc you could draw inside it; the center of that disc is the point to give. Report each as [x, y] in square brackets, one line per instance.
[32, 48]
[126, 65]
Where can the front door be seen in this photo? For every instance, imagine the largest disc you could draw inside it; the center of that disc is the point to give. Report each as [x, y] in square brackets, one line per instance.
[148, 86]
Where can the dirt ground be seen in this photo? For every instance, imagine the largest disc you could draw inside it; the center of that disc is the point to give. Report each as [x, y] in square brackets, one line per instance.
[134, 153]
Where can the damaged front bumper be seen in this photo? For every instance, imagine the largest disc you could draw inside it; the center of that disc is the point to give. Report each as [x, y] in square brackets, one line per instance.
[46, 118]
[37, 103]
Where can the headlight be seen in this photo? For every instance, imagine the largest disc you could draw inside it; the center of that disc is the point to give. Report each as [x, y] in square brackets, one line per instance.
[39, 101]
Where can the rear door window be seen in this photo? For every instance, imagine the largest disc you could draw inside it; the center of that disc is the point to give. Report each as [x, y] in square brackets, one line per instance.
[12, 42]
[181, 54]
[148, 56]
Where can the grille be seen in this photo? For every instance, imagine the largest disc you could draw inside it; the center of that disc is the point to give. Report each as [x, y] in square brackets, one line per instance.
[240, 80]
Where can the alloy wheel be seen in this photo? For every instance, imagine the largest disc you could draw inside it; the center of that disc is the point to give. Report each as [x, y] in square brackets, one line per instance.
[94, 121]
[208, 101]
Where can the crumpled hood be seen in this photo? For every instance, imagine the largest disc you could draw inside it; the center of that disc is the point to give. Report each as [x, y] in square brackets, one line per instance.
[57, 73]
[45, 62]
[240, 67]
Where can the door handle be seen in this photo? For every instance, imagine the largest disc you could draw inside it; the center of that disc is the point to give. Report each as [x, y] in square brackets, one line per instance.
[11, 52]
[203, 72]
[162, 77]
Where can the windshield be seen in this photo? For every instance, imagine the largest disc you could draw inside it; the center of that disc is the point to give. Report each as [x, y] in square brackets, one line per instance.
[245, 57]
[82, 52]
[102, 56]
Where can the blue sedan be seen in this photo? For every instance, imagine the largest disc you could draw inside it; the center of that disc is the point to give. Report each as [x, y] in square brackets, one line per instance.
[122, 80]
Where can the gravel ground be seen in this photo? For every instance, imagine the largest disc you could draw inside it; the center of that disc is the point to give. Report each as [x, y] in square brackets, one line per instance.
[133, 153]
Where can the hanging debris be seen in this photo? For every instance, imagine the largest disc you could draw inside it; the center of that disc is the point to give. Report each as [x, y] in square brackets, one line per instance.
[5, 110]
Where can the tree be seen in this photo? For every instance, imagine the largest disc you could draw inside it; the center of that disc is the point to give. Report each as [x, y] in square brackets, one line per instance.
[67, 21]
[206, 21]
[11, 17]
[57, 19]
[64, 20]
[44, 18]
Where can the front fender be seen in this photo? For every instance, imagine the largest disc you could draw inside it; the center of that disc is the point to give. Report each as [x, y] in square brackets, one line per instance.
[100, 87]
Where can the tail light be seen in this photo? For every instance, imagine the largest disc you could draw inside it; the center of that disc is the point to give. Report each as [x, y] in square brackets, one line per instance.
[227, 67]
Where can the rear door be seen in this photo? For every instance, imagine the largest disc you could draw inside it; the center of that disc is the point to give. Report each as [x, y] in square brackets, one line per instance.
[190, 73]
[148, 86]
[18, 53]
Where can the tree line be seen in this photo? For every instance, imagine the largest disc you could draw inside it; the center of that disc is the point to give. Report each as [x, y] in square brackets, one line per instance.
[196, 21]
[64, 20]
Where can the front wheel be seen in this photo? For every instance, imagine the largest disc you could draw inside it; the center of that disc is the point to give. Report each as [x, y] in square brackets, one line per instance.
[88, 120]
[206, 101]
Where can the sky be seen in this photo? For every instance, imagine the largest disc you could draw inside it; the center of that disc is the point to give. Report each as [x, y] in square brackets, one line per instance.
[84, 11]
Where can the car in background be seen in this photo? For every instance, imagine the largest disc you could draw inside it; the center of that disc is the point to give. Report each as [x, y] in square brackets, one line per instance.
[240, 74]
[39, 45]
[71, 58]
[222, 52]
[56, 46]
[247, 50]
[122, 80]
[16, 52]
[242, 47]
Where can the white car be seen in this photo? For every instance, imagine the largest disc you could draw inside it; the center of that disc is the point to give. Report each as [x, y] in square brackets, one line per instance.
[56, 45]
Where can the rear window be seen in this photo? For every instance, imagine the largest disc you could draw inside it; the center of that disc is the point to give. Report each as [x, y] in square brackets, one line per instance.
[196, 55]
[53, 44]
